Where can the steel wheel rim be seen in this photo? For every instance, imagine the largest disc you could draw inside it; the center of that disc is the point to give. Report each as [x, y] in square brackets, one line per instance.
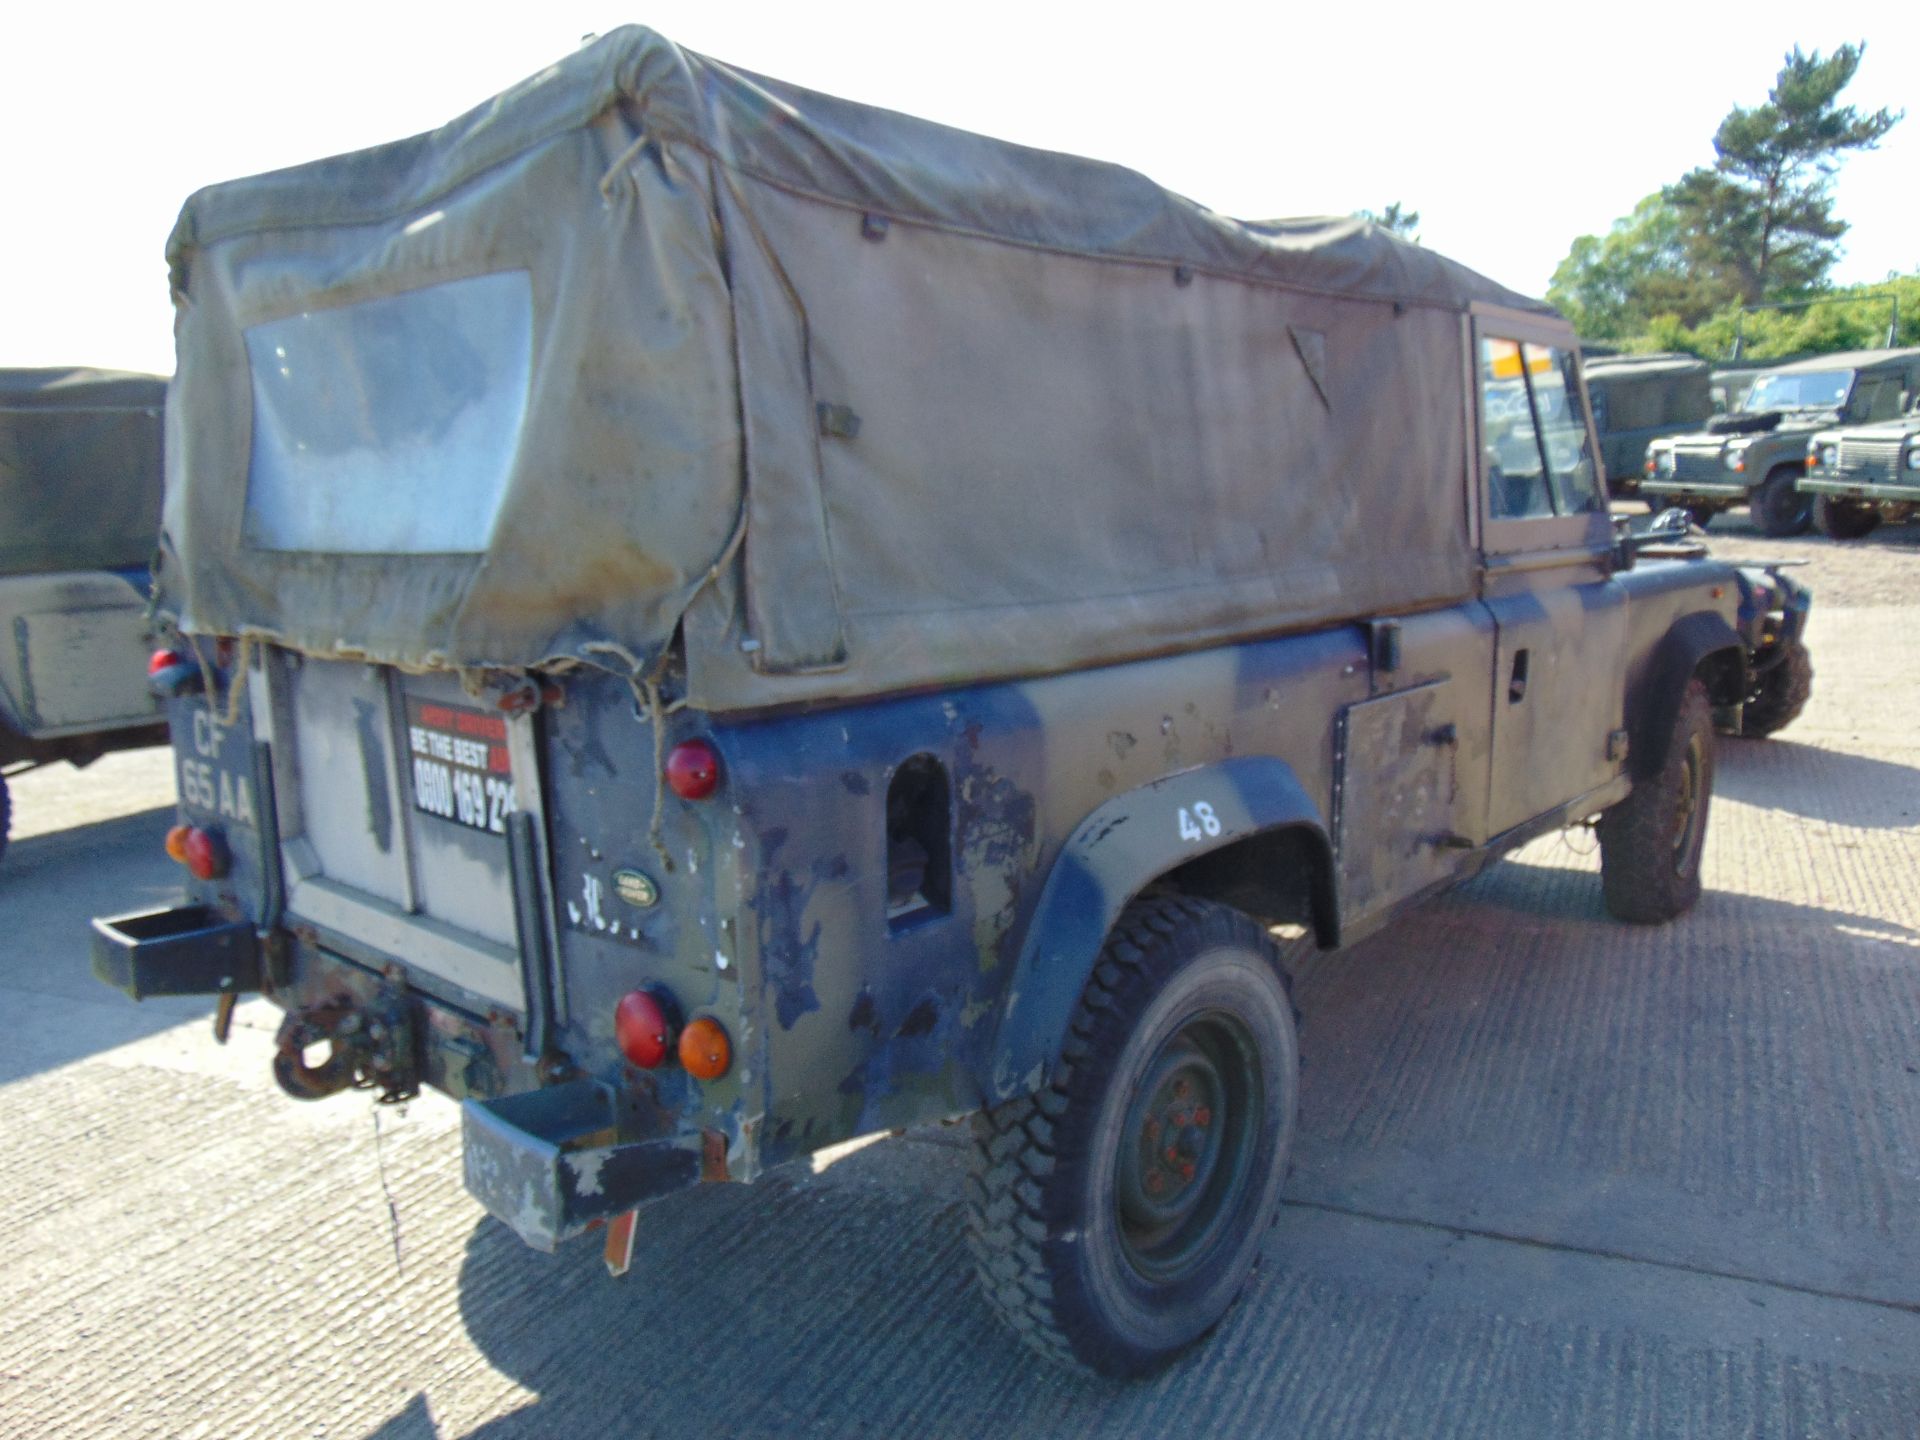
[1687, 813]
[1187, 1147]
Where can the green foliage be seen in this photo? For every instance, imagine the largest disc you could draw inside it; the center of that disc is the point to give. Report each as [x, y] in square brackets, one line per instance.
[1611, 285]
[1854, 318]
[1758, 225]
[1402, 222]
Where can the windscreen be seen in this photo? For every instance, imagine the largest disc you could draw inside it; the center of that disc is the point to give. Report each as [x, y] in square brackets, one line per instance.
[1809, 389]
[389, 427]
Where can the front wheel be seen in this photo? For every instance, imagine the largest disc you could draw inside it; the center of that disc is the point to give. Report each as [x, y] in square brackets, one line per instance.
[6, 814]
[1779, 693]
[1116, 1214]
[1839, 519]
[1650, 842]
[1701, 515]
[1779, 508]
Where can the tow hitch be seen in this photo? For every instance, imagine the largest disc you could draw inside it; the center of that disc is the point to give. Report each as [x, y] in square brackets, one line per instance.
[367, 1047]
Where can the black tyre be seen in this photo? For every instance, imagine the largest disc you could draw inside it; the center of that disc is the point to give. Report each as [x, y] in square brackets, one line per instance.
[1701, 515]
[6, 814]
[1779, 693]
[1839, 519]
[1116, 1215]
[1650, 842]
[1777, 507]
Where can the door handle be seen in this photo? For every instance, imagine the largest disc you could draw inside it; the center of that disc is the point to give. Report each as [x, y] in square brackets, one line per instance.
[1517, 686]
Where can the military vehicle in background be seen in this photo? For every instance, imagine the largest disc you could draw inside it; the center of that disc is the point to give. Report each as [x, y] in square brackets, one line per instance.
[1728, 385]
[1639, 398]
[80, 476]
[1757, 454]
[1861, 475]
[628, 680]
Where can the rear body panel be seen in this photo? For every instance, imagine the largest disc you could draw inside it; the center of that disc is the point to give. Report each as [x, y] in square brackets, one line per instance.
[768, 906]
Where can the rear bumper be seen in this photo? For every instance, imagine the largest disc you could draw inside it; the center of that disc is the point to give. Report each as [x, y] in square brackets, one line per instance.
[550, 1162]
[553, 1163]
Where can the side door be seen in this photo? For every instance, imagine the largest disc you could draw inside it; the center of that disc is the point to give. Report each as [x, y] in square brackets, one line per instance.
[1411, 758]
[1876, 398]
[1547, 555]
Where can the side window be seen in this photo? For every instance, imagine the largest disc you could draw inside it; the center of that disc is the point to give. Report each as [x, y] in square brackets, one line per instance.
[1535, 433]
[1516, 473]
[1563, 429]
[1877, 399]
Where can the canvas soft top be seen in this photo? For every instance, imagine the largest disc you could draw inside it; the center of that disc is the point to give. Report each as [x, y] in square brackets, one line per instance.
[80, 469]
[1851, 360]
[1619, 367]
[855, 401]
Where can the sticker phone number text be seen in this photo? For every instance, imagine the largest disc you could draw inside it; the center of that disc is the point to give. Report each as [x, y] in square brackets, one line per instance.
[459, 777]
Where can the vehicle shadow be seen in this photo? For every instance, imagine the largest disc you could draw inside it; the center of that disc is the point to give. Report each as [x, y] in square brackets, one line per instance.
[836, 1304]
[1509, 1019]
[1819, 784]
[51, 888]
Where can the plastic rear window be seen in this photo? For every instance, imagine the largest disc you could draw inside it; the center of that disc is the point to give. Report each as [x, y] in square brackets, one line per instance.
[389, 427]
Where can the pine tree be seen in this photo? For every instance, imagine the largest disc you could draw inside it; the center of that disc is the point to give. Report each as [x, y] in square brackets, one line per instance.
[1760, 220]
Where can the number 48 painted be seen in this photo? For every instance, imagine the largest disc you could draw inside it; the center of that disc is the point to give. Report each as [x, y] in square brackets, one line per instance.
[1198, 821]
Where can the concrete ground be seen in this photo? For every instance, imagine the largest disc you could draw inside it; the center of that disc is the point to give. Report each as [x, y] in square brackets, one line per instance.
[1556, 1176]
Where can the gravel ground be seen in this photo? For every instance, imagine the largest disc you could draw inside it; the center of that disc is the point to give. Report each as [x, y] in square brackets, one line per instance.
[1882, 569]
[1555, 1176]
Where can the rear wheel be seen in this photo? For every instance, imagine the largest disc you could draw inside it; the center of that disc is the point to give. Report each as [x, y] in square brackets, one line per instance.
[1839, 519]
[1650, 842]
[1778, 507]
[6, 814]
[1779, 693]
[1116, 1214]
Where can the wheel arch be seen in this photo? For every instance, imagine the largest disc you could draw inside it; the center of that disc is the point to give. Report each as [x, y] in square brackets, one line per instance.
[1272, 855]
[1702, 644]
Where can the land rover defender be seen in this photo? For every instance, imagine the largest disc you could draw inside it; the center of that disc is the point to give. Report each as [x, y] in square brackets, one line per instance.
[708, 620]
[79, 510]
[1757, 454]
[1860, 475]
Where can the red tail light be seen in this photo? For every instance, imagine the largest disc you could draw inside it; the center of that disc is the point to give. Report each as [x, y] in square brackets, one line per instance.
[640, 1026]
[207, 856]
[171, 673]
[693, 770]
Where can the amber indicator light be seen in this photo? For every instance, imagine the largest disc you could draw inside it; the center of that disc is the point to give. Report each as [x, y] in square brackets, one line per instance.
[705, 1051]
[177, 843]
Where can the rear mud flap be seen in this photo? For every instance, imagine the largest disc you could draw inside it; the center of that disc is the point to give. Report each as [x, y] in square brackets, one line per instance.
[551, 1164]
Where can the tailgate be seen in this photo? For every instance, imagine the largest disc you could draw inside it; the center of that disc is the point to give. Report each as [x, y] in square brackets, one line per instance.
[395, 794]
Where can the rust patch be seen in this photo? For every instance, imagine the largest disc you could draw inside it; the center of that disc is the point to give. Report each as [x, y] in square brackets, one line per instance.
[713, 1157]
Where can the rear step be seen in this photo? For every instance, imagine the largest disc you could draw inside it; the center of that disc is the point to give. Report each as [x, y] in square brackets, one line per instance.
[182, 950]
[553, 1163]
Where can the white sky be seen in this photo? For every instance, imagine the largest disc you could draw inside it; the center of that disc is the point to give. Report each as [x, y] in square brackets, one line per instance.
[1511, 129]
